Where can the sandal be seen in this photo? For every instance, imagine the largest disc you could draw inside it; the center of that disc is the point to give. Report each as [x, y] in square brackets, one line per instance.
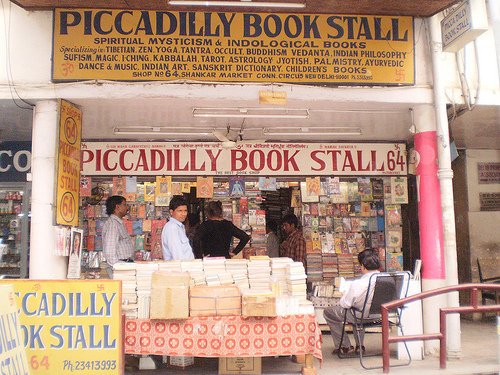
[343, 350]
[362, 348]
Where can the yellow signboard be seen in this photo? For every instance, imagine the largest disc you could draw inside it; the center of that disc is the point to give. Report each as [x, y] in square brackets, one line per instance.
[135, 45]
[68, 164]
[70, 327]
[12, 352]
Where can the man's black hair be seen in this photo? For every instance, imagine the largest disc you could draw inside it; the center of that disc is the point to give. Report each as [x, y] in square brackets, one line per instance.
[177, 201]
[369, 259]
[291, 219]
[112, 202]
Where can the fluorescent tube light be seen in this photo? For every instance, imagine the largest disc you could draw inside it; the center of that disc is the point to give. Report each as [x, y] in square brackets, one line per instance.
[243, 3]
[152, 130]
[251, 112]
[322, 131]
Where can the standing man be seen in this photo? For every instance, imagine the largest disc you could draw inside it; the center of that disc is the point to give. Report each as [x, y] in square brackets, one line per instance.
[116, 242]
[175, 243]
[354, 297]
[295, 245]
[272, 241]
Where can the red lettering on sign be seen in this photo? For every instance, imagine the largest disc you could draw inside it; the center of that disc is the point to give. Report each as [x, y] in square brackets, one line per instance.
[157, 160]
[105, 160]
[320, 162]
[348, 161]
[213, 159]
[123, 167]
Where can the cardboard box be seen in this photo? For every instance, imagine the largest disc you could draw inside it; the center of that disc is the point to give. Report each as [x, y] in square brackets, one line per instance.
[258, 305]
[169, 295]
[240, 365]
[214, 300]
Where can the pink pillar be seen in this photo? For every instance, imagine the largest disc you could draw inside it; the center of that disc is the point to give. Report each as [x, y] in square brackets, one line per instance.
[429, 207]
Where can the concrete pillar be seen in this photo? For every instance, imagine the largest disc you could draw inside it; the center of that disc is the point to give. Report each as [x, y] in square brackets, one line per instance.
[445, 180]
[430, 219]
[43, 263]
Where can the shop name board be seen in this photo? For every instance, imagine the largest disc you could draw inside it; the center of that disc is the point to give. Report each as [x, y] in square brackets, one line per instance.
[264, 159]
[15, 161]
[138, 45]
[70, 326]
[488, 173]
[68, 162]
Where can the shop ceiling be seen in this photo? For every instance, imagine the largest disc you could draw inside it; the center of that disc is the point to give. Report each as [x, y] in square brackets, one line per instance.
[417, 8]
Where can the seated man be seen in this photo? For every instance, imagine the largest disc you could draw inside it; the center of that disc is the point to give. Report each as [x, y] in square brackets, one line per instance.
[354, 297]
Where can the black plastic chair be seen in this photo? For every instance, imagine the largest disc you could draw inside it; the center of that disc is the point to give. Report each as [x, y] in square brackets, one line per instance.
[382, 288]
[488, 295]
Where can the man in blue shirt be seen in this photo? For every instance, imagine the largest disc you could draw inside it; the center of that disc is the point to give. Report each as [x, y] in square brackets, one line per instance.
[175, 243]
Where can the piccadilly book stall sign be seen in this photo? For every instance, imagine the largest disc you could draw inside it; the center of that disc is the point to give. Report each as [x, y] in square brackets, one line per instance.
[133, 45]
[464, 24]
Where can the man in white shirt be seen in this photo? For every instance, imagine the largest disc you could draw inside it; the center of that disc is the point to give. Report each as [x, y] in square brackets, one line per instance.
[116, 242]
[354, 297]
[175, 243]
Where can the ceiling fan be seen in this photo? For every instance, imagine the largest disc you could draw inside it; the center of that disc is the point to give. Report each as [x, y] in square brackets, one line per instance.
[232, 138]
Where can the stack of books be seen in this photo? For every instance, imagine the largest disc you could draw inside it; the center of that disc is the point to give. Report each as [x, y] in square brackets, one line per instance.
[279, 275]
[238, 269]
[144, 273]
[259, 274]
[296, 280]
[126, 272]
[195, 270]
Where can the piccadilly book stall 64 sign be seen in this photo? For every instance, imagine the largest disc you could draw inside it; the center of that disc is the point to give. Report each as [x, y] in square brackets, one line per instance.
[254, 159]
[135, 45]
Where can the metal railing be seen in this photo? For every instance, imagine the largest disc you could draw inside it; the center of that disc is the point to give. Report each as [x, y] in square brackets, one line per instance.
[441, 336]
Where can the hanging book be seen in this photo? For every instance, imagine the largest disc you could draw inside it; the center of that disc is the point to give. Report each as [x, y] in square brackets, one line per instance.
[267, 183]
[365, 189]
[342, 194]
[394, 262]
[119, 186]
[163, 190]
[131, 184]
[377, 188]
[85, 186]
[140, 194]
[177, 188]
[149, 191]
[353, 191]
[204, 187]
[186, 187]
[314, 209]
[394, 237]
[399, 190]
[305, 197]
[387, 190]
[393, 215]
[236, 186]
[295, 198]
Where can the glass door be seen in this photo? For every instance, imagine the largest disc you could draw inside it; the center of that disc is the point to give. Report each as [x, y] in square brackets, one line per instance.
[14, 228]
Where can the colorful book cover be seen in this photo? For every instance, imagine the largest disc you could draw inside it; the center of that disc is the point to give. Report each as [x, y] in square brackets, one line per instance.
[141, 211]
[377, 188]
[204, 187]
[85, 186]
[132, 211]
[131, 184]
[394, 237]
[399, 190]
[387, 190]
[393, 215]
[141, 192]
[394, 262]
[355, 224]
[128, 226]
[305, 197]
[267, 183]
[146, 225]
[243, 205]
[163, 190]
[119, 186]
[365, 189]
[314, 209]
[90, 243]
[353, 191]
[177, 188]
[149, 191]
[295, 198]
[313, 185]
[186, 187]
[366, 209]
[137, 227]
[156, 228]
[236, 186]
[139, 242]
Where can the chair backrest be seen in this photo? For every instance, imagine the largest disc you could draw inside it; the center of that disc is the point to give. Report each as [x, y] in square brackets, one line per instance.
[383, 288]
[481, 280]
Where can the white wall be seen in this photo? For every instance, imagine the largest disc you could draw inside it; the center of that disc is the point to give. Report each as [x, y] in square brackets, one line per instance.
[484, 226]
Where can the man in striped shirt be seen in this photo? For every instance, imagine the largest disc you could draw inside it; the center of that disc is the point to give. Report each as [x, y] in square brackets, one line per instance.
[116, 242]
[295, 245]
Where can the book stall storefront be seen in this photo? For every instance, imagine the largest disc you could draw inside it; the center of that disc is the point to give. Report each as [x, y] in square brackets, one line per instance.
[347, 197]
